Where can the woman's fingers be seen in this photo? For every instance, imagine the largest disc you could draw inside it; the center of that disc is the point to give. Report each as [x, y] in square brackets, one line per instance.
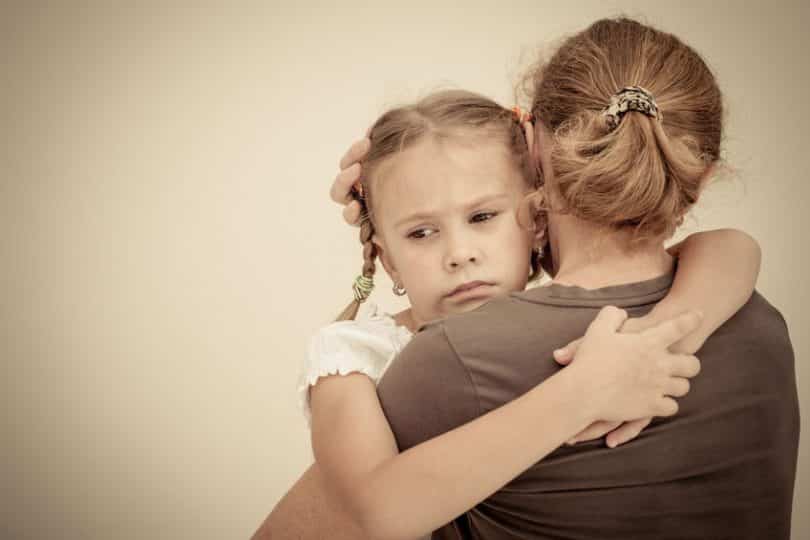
[355, 153]
[675, 329]
[626, 432]
[342, 186]
[351, 213]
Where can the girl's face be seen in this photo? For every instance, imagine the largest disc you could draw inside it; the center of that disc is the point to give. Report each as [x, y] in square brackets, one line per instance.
[447, 229]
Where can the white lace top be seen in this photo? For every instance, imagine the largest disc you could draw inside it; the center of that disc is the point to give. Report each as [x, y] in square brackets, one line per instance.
[367, 345]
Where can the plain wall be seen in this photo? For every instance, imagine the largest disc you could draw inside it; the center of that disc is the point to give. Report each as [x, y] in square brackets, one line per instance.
[168, 244]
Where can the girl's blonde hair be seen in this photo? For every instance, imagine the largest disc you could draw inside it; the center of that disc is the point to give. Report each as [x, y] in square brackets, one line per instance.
[442, 115]
[647, 172]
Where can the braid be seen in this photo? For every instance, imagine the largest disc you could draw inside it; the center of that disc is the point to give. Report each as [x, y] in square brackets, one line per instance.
[365, 281]
[369, 248]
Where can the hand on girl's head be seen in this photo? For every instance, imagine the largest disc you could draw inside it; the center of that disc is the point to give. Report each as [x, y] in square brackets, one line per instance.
[355, 153]
[350, 170]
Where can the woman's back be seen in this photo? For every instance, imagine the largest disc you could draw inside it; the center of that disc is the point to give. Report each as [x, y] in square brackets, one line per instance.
[723, 467]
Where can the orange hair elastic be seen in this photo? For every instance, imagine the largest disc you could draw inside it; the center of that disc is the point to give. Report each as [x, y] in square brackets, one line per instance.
[521, 116]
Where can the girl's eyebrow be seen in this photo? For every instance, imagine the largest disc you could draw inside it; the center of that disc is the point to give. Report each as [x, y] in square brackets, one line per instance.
[426, 215]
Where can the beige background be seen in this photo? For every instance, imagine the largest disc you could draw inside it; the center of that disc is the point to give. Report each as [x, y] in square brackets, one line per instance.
[168, 245]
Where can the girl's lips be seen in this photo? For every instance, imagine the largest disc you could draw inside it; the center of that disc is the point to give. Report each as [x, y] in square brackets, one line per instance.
[471, 288]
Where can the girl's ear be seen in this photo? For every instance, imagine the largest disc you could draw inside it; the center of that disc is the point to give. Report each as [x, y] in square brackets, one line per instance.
[526, 212]
[533, 219]
[382, 254]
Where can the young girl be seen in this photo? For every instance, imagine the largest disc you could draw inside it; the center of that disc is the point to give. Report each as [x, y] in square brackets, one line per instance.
[443, 184]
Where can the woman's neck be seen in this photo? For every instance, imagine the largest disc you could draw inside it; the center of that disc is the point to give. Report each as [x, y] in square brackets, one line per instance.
[591, 257]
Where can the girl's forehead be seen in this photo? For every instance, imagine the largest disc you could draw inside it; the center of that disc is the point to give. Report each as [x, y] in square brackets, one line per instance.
[446, 172]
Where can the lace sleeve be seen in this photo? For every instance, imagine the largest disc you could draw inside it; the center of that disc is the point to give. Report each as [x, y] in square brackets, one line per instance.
[344, 347]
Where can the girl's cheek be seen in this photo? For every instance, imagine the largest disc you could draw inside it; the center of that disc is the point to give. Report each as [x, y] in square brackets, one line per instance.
[414, 260]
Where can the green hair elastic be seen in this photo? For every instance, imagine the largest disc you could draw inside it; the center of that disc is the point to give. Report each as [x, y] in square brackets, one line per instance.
[362, 288]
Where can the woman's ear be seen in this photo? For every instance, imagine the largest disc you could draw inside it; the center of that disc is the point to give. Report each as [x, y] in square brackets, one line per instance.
[540, 238]
[385, 259]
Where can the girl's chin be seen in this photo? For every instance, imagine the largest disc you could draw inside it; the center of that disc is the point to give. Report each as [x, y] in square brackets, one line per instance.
[468, 304]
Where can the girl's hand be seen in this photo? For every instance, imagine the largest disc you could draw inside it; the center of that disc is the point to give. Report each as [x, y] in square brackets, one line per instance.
[632, 376]
[349, 174]
[617, 432]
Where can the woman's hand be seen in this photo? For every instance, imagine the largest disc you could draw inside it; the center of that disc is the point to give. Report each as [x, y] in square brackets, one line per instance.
[350, 169]
[631, 376]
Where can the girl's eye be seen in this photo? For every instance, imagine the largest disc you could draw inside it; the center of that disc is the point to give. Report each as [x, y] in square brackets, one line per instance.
[418, 234]
[483, 216]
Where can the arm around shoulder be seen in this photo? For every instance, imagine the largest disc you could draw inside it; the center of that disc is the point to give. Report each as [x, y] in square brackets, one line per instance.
[717, 272]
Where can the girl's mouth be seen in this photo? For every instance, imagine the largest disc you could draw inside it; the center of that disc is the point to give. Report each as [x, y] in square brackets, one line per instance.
[470, 289]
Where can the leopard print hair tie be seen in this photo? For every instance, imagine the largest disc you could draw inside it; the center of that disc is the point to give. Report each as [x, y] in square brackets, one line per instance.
[631, 98]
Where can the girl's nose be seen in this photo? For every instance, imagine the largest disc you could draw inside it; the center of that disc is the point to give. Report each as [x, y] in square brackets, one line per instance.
[459, 257]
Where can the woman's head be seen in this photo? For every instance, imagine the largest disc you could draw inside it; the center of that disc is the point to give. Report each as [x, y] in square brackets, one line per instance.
[442, 184]
[643, 171]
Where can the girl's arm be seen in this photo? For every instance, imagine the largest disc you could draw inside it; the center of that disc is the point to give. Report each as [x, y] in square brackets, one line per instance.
[717, 272]
[386, 493]
[406, 495]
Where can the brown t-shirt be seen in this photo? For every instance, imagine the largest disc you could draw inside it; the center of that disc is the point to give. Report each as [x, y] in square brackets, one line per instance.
[723, 467]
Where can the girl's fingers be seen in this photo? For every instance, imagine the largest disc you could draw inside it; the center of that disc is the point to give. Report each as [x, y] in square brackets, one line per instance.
[626, 432]
[667, 407]
[678, 387]
[675, 329]
[355, 153]
[351, 213]
[342, 186]
[564, 355]
[684, 365]
[607, 321]
[594, 431]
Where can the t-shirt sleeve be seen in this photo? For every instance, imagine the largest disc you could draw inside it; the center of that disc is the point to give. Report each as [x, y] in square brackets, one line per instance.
[365, 346]
[427, 390]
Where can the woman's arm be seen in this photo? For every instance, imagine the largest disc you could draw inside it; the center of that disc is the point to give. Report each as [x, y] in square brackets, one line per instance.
[309, 510]
[410, 494]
